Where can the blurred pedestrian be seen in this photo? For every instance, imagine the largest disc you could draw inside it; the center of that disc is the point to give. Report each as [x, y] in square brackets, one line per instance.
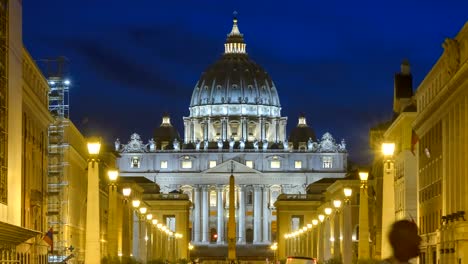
[405, 242]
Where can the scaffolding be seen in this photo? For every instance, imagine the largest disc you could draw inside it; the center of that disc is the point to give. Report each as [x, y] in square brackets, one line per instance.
[57, 214]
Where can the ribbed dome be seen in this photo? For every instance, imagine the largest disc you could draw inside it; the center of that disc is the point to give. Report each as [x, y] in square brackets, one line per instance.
[235, 79]
[302, 133]
[165, 134]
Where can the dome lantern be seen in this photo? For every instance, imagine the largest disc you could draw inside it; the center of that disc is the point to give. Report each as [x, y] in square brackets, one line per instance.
[235, 40]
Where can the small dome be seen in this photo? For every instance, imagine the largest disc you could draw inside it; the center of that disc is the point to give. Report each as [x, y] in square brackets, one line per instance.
[235, 85]
[165, 134]
[301, 133]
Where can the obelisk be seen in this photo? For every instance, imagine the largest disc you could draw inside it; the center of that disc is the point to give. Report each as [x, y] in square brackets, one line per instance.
[231, 223]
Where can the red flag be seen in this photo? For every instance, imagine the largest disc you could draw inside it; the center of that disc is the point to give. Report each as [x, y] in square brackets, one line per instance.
[414, 140]
[49, 238]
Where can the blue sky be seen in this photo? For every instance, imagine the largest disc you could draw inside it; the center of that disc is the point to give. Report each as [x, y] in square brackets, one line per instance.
[130, 61]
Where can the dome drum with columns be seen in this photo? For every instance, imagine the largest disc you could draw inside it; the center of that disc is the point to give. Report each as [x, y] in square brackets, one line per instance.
[235, 98]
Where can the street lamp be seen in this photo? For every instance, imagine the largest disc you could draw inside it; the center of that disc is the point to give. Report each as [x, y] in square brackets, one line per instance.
[363, 245]
[347, 225]
[190, 248]
[274, 247]
[142, 249]
[127, 222]
[388, 198]
[93, 246]
[337, 229]
[112, 219]
[320, 237]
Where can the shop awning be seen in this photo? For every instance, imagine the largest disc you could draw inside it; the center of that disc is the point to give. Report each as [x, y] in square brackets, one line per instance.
[12, 234]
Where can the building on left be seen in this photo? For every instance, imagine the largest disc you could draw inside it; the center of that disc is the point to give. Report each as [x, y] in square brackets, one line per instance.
[24, 120]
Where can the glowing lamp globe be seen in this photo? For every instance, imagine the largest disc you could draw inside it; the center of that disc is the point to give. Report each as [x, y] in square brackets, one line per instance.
[113, 175]
[94, 146]
[363, 176]
[136, 203]
[126, 191]
[348, 192]
[388, 149]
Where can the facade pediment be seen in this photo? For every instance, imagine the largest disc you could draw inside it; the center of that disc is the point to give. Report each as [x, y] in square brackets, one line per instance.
[226, 167]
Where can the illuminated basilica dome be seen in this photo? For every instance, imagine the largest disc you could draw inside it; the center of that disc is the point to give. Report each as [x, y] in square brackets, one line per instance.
[235, 84]
[235, 99]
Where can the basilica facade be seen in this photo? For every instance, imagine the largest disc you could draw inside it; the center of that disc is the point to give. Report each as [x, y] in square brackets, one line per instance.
[234, 127]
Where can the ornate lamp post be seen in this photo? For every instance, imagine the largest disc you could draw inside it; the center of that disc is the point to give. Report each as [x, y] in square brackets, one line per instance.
[190, 248]
[112, 219]
[142, 234]
[274, 247]
[126, 223]
[347, 225]
[135, 224]
[363, 245]
[337, 229]
[315, 239]
[327, 234]
[93, 246]
[388, 197]
[320, 238]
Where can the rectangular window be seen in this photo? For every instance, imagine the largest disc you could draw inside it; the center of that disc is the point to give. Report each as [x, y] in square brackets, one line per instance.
[186, 164]
[249, 163]
[298, 164]
[135, 162]
[327, 162]
[164, 164]
[212, 163]
[275, 164]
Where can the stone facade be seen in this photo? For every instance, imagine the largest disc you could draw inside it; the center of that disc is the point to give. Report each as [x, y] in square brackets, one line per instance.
[441, 125]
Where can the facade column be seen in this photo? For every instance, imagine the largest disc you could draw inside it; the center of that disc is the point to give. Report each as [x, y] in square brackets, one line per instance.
[196, 215]
[220, 204]
[186, 130]
[206, 129]
[266, 216]
[276, 123]
[224, 122]
[241, 217]
[244, 128]
[261, 122]
[283, 133]
[205, 216]
[192, 130]
[257, 214]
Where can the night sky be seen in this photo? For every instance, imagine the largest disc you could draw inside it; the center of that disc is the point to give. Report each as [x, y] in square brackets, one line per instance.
[130, 61]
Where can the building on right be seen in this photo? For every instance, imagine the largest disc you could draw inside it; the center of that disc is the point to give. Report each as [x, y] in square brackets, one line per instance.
[441, 126]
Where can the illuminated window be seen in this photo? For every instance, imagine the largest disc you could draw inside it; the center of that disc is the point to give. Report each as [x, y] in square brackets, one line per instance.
[186, 164]
[275, 164]
[212, 163]
[213, 198]
[327, 162]
[135, 163]
[164, 164]
[298, 164]
[249, 163]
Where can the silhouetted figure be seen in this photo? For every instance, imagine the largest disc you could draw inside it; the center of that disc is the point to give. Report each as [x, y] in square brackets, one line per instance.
[405, 241]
